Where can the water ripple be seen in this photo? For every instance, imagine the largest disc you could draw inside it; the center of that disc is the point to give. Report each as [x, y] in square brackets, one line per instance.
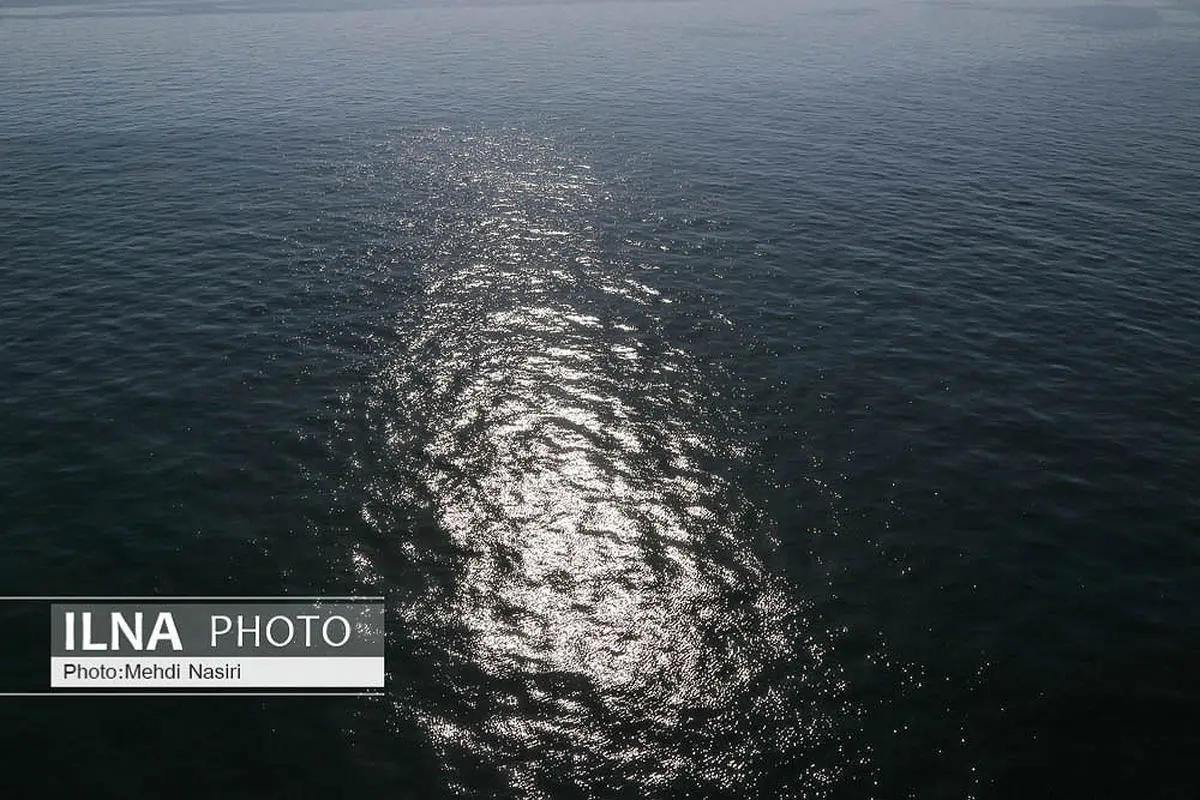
[600, 581]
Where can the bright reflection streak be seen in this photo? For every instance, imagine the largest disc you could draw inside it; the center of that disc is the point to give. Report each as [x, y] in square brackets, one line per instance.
[614, 616]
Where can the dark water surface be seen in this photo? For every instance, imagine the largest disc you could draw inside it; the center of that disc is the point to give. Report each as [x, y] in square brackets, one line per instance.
[731, 400]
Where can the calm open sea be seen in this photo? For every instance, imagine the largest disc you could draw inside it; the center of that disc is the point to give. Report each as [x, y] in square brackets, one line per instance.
[762, 399]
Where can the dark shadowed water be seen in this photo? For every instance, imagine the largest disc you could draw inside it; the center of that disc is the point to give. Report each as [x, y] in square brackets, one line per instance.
[766, 400]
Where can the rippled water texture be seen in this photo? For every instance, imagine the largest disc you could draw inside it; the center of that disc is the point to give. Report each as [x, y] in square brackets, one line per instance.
[771, 400]
[611, 613]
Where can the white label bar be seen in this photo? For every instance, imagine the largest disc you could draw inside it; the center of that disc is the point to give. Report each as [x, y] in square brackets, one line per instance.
[325, 672]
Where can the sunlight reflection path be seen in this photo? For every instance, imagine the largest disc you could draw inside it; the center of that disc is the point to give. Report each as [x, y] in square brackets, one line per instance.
[622, 630]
